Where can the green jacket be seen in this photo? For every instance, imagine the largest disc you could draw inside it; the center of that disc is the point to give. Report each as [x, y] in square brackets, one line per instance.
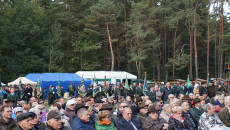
[152, 96]
[71, 90]
[99, 126]
[12, 125]
[197, 112]
[14, 97]
[221, 89]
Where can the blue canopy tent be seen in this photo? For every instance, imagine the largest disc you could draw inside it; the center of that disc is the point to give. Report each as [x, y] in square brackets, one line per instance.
[47, 79]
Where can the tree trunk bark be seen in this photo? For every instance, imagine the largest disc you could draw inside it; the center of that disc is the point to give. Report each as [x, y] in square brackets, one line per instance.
[208, 52]
[195, 49]
[174, 50]
[222, 38]
[216, 75]
[139, 62]
[111, 47]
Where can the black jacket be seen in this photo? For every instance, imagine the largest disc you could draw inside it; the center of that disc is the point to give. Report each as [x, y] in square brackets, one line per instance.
[178, 125]
[166, 92]
[124, 125]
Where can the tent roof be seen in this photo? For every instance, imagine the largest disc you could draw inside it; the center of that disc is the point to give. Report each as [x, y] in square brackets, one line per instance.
[24, 80]
[3, 84]
[108, 74]
[54, 77]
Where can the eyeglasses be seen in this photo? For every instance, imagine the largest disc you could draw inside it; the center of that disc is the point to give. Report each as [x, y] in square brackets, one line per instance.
[124, 106]
[179, 113]
[72, 104]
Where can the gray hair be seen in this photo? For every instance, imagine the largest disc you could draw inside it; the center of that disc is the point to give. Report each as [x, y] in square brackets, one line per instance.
[166, 106]
[207, 107]
[34, 110]
[81, 111]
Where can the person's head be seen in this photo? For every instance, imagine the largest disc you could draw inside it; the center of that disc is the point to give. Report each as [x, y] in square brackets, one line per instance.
[171, 97]
[153, 113]
[104, 116]
[12, 90]
[208, 108]
[22, 103]
[54, 120]
[168, 85]
[32, 100]
[190, 95]
[221, 99]
[40, 107]
[177, 111]
[167, 108]
[185, 106]
[152, 88]
[18, 111]
[197, 102]
[156, 87]
[157, 105]
[83, 114]
[10, 102]
[205, 95]
[98, 104]
[174, 102]
[26, 107]
[62, 101]
[38, 117]
[128, 99]
[181, 96]
[148, 103]
[143, 109]
[227, 101]
[24, 120]
[6, 112]
[92, 100]
[71, 104]
[122, 106]
[110, 100]
[79, 100]
[127, 113]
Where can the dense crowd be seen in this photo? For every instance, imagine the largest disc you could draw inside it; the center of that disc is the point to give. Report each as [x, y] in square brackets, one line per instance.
[167, 107]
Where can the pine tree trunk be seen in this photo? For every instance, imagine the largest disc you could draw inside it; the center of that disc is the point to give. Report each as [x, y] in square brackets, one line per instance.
[174, 50]
[208, 52]
[191, 50]
[195, 49]
[165, 48]
[127, 48]
[111, 47]
[215, 52]
[222, 38]
[139, 62]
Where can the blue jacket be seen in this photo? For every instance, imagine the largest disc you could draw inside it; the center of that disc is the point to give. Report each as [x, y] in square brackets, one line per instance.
[124, 125]
[78, 124]
[190, 89]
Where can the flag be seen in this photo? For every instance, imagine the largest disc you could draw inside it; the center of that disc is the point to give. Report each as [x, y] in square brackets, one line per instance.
[39, 89]
[208, 80]
[188, 84]
[95, 88]
[59, 87]
[126, 84]
[81, 89]
[20, 88]
[145, 89]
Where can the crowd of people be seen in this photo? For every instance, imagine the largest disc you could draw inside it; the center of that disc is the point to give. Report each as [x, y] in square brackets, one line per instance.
[162, 107]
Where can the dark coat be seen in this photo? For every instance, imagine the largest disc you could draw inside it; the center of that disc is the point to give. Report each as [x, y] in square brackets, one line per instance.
[190, 89]
[203, 90]
[182, 89]
[71, 90]
[191, 119]
[63, 128]
[197, 113]
[151, 95]
[28, 92]
[69, 113]
[211, 91]
[178, 125]
[12, 125]
[142, 118]
[224, 116]
[151, 124]
[221, 89]
[124, 125]
[166, 93]
[79, 124]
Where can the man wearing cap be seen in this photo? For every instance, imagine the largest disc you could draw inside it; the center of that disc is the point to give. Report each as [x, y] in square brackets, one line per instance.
[25, 121]
[143, 109]
[127, 123]
[70, 109]
[107, 107]
[152, 93]
[197, 111]
[82, 120]
[153, 122]
[97, 107]
[18, 111]
[71, 90]
[217, 106]
[13, 96]
[54, 122]
[6, 121]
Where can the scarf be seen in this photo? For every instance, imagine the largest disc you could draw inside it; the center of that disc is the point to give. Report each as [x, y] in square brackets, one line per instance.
[179, 119]
[105, 122]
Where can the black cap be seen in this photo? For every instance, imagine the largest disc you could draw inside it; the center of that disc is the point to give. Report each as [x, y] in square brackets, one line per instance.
[106, 107]
[23, 116]
[98, 101]
[53, 114]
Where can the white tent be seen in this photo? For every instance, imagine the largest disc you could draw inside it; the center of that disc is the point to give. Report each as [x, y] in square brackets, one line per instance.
[2, 84]
[112, 75]
[24, 80]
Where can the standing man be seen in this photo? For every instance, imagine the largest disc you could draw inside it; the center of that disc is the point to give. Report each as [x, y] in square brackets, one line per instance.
[211, 90]
[152, 93]
[62, 92]
[168, 90]
[13, 96]
[51, 95]
[71, 90]
[28, 92]
[6, 121]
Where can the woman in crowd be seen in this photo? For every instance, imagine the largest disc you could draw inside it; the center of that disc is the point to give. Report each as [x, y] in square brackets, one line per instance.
[166, 113]
[177, 121]
[104, 122]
